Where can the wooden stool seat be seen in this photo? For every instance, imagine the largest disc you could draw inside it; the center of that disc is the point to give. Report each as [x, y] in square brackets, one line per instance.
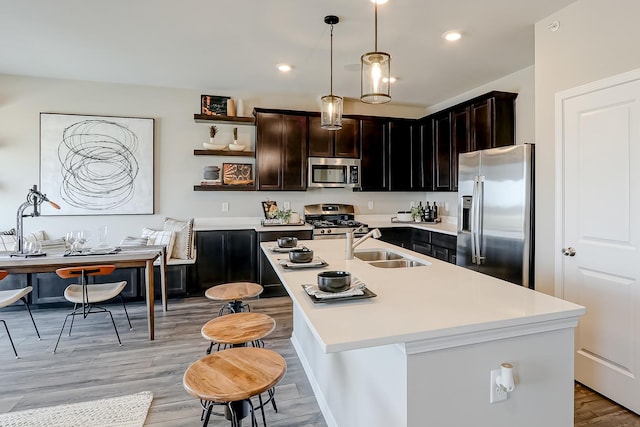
[231, 377]
[234, 291]
[238, 328]
[235, 374]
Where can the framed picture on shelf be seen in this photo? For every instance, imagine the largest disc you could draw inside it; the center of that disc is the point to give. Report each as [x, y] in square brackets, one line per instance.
[269, 207]
[237, 174]
[213, 105]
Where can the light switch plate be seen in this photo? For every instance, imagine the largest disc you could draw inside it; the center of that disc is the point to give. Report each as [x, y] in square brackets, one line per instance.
[286, 205]
[225, 206]
[370, 205]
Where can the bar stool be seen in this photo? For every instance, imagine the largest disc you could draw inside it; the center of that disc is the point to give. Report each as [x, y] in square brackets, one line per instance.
[238, 329]
[234, 293]
[231, 377]
[10, 296]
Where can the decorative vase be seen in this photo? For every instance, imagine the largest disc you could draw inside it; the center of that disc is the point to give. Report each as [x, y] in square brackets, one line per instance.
[231, 108]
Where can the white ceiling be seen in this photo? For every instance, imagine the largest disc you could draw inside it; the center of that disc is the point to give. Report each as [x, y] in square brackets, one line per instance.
[233, 45]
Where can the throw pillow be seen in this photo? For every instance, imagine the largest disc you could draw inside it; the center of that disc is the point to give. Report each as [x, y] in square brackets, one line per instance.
[160, 237]
[7, 242]
[134, 241]
[183, 247]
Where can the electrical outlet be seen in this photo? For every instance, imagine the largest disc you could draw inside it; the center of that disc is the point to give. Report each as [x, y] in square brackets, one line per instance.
[412, 204]
[496, 393]
[446, 206]
[370, 205]
[225, 206]
[286, 205]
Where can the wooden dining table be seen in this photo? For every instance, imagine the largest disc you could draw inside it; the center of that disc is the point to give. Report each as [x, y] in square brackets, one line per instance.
[126, 257]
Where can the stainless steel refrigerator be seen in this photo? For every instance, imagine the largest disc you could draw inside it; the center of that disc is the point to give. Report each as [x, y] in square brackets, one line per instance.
[495, 212]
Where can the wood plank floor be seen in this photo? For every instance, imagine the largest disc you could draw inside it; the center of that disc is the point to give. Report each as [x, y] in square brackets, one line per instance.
[90, 365]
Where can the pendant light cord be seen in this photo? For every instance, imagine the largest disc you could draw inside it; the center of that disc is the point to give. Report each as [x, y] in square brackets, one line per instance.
[375, 11]
[331, 62]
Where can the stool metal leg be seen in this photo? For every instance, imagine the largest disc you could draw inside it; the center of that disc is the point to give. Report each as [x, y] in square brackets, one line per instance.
[206, 418]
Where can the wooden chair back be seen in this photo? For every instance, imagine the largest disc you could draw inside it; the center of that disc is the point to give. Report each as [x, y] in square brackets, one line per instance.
[86, 270]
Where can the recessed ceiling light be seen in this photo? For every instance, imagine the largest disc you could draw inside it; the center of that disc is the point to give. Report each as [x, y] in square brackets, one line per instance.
[452, 36]
[285, 68]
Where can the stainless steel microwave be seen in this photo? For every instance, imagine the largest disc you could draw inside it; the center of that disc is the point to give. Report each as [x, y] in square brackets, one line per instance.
[334, 172]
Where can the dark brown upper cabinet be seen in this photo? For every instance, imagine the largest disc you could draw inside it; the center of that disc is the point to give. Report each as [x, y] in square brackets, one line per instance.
[374, 147]
[281, 150]
[442, 156]
[334, 143]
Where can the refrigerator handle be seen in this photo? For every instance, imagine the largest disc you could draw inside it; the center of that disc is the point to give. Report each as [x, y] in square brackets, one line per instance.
[479, 220]
[472, 221]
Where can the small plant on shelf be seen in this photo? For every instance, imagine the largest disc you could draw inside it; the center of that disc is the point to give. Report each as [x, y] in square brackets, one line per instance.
[283, 215]
[212, 132]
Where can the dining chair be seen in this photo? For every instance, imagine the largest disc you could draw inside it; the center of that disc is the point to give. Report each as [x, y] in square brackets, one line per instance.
[10, 296]
[88, 295]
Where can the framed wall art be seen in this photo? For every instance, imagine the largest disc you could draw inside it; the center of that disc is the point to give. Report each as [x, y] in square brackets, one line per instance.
[96, 165]
[212, 105]
[237, 174]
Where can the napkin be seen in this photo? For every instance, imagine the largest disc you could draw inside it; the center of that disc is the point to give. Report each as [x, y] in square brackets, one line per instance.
[278, 249]
[315, 262]
[357, 288]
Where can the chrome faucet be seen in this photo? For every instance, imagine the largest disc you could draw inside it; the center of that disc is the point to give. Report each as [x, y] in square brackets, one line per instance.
[351, 245]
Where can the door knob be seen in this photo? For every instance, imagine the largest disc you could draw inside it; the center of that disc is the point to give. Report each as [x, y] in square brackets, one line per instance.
[568, 251]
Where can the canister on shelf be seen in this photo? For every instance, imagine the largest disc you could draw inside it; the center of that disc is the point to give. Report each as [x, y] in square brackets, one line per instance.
[212, 172]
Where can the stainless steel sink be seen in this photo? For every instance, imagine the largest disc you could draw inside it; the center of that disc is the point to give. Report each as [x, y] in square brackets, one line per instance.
[377, 255]
[397, 263]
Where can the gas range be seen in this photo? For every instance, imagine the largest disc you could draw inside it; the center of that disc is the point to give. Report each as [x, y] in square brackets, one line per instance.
[333, 220]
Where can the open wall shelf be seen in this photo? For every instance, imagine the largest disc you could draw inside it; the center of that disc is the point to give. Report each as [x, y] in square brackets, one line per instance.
[229, 120]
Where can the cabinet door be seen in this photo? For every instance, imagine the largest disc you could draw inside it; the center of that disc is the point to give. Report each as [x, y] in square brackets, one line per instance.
[269, 151]
[339, 143]
[320, 140]
[210, 265]
[294, 153]
[240, 256]
[423, 134]
[281, 151]
[442, 152]
[481, 125]
[347, 143]
[401, 173]
[460, 140]
[399, 236]
[375, 158]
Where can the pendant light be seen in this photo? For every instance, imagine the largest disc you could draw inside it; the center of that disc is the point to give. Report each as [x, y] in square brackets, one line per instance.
[375, 69]
[331, 118]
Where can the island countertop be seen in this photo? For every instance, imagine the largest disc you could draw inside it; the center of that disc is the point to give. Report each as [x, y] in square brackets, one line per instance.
[436, 302]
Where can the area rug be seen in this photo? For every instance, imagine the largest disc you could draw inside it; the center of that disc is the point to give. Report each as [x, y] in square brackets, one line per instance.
[122, 411]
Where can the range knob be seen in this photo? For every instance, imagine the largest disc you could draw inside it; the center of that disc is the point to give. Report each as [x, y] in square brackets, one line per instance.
[328, 231]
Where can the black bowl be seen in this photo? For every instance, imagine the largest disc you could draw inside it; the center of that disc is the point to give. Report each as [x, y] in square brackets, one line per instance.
[334, 281]
[300, 255]
[287, 242]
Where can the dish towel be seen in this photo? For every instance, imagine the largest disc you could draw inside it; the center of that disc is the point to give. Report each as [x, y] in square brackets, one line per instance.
[357, 288]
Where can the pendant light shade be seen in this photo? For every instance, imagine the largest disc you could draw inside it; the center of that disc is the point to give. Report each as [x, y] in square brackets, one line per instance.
[375, 72]
[331, 116]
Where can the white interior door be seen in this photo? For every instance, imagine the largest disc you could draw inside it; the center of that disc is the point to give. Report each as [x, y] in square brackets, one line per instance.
[598, 131]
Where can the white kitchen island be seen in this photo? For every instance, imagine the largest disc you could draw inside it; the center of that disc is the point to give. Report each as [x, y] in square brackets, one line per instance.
[420, 353]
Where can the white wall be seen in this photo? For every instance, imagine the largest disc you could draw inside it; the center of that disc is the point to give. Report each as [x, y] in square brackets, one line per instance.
[176, 135]
[595, 40]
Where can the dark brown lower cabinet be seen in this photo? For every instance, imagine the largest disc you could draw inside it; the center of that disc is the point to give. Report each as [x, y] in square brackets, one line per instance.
[433, 244]
[225, 256]
[267, 275]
